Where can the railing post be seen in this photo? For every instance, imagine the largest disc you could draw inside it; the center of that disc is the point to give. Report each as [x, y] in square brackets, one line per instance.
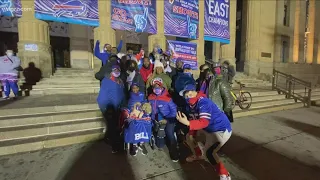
[309, 97]
[273, 79]
[290, 87]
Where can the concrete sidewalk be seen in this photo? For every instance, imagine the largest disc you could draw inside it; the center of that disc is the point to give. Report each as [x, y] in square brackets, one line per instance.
[277, 146]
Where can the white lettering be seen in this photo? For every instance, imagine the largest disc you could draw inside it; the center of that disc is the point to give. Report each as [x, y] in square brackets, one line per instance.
[142, 135]
[217, 9]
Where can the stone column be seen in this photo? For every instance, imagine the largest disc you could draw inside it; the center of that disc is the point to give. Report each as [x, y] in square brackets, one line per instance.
[228, 51]
[200, 40]
[159, 38]
[311, 23]
[34, 33]
[216, 51]
[252, 48]
[104, 33]
[296, 36]
[302, 23]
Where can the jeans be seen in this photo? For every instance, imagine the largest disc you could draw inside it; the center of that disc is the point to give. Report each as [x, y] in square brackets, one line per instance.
[170, 136]
[7, 85]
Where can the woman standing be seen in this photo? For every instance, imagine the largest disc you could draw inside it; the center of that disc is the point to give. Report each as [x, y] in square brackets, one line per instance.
[9, 69]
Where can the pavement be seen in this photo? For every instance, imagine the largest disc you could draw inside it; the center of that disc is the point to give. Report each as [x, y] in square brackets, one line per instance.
[276, 146]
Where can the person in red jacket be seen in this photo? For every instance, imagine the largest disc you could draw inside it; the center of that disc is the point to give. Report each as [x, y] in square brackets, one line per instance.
[146, 69]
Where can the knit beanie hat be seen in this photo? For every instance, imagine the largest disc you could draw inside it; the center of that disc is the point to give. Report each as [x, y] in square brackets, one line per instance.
[157, 63]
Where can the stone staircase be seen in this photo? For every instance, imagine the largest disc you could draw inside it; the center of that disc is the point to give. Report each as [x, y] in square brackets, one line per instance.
[68, 112]
[250, 81]
[67, 81]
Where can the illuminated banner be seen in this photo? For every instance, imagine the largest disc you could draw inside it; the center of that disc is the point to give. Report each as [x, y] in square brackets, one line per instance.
[181, 18]
[10, 8]
[132, 15]
[185, 51]
[216, 21]
[83, 12]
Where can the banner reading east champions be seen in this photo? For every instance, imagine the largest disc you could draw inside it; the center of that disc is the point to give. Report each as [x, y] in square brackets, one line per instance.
[132, 15]
[181, 18]
[84, 12]
[216, 21]
[185, 51]
[10, 8]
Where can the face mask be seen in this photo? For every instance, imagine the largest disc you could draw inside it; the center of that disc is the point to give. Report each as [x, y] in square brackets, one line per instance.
[9, 54]
[217, 71]
[157, 91]
[116, 74]
[191, 101]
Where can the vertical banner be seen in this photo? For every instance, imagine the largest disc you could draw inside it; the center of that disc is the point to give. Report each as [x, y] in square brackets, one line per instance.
[10, 8]
[184, 51]
[216, 21]
[83, 12]
[138, 16]
[181, 18]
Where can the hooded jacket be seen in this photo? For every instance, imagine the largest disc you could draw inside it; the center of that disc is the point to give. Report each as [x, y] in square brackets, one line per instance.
[104, 56]
[164, 106]
[219, 92]
[208, 116]
[9, 65]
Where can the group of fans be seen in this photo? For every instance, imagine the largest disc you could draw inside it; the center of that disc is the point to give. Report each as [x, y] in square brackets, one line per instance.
[148, 99]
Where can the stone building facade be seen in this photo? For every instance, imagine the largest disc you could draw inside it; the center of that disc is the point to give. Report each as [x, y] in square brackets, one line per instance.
[265, 35]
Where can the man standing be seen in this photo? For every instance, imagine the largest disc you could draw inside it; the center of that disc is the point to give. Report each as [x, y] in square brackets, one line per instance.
[104, 56]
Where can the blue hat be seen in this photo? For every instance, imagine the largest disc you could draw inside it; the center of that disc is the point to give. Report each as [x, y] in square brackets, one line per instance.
[134, 84]
[186, 66]
[115, 67]
[188, 87]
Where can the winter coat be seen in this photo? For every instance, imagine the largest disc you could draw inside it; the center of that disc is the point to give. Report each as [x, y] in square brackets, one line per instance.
[9, 65]
[111, 92]
[104, 56]
[135, 98]
[107, 68]
[164, 106]
[219, 93]
[145, 73]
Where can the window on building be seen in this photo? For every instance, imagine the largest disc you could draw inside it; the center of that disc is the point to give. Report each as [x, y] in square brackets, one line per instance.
[286, 17]
[285, 46]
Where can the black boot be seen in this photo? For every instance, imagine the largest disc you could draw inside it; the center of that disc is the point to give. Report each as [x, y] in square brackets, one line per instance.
[174, 153]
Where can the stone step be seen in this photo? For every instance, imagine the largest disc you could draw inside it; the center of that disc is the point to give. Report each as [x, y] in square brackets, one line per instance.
[9, 133]
[73, 74]
[64, 90]
[77, 85]
[274, 108]
[58, 70]
[34, 143]
[267, 104]
[64, 80]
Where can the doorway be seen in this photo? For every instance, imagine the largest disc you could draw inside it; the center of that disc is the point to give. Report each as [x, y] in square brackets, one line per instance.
[239, 38]
[60, 51]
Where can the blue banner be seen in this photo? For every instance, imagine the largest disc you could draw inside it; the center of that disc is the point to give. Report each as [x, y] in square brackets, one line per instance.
[83, 12]
[184, 51]
[216, 21]
[181, 18]
[139, 16]
[10, 8]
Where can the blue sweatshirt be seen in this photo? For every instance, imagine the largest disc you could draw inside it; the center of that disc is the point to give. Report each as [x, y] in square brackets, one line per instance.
[104, 57]
[111, 92]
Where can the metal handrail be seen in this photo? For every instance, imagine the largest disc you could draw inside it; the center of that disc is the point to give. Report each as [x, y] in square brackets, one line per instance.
[290, 85]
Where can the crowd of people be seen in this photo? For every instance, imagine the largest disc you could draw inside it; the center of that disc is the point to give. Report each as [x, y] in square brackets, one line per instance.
[150, 99]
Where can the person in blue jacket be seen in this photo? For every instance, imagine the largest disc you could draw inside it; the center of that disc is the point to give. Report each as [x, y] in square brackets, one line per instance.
[211, 121]
[135, 95]
[104, 56]
[164, 116]
[109, 100]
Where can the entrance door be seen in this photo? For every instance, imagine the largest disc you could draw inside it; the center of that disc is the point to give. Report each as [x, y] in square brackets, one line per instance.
[61, 54]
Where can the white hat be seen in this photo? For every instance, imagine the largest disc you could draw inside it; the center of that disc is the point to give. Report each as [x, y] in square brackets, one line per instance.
[157, 63]
[120, 55]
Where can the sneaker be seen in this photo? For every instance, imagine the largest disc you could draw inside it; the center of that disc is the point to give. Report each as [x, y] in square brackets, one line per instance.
[114, 150]
[174, 155]
[143, 149]
[5, 97]
[225, 177]
[133, 150]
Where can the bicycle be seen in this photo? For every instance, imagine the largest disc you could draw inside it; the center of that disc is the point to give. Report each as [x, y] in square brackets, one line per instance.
[244, 99]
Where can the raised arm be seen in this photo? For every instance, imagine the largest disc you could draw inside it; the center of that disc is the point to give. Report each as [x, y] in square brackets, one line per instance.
[97, 52]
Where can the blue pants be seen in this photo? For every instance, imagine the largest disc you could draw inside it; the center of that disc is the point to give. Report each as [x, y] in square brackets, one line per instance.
[7, 85]
[160, 142]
